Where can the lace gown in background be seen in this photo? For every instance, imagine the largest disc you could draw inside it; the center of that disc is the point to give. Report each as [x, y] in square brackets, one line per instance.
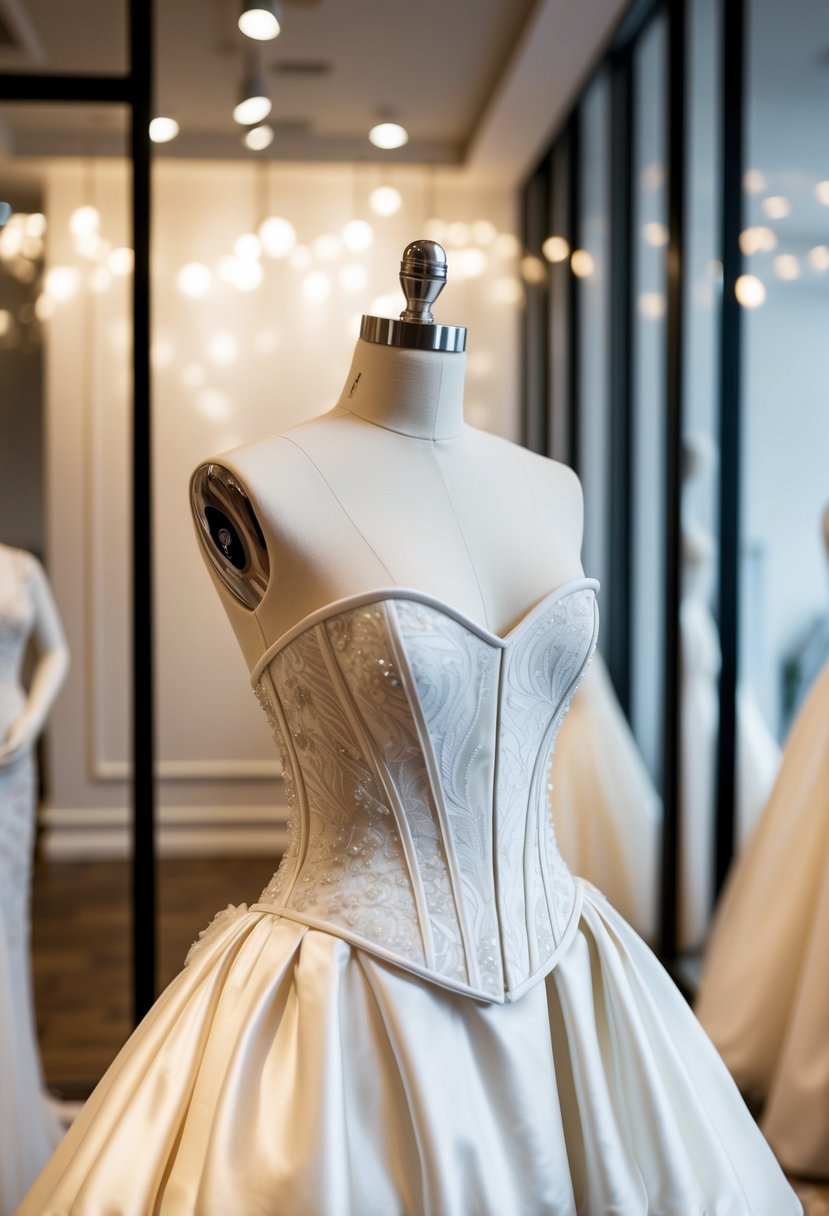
[28, 1132]
[424, 1013]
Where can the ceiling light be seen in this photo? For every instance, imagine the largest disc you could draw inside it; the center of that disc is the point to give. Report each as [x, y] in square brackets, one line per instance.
[261, 21]
[254, 105]
[388, 135]
[259, 138]
[162, 130]
[385, 200]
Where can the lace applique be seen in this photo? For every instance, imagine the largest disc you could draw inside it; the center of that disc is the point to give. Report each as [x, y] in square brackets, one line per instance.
[209, 934]
[365, 657]
[353, 871]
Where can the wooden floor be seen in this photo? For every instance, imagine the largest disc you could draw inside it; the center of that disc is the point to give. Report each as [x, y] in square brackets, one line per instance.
[81, 940]
[81, 951]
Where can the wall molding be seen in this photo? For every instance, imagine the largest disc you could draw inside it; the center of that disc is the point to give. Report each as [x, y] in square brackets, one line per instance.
[103, 834]
[194, 770]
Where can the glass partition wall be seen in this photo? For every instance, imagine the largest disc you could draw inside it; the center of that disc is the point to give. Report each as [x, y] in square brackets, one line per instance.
[637, 397]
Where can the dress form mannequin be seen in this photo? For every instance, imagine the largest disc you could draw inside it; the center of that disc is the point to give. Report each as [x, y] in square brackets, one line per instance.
[422, 952]
[28, 1131]
[388, 489]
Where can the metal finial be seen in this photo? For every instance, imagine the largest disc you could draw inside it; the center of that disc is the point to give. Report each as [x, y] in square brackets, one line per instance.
[423, 271]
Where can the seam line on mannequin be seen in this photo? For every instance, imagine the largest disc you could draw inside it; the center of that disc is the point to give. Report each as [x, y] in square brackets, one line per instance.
[437, 402]
[334, 495]
[465, 543]
[396, 430]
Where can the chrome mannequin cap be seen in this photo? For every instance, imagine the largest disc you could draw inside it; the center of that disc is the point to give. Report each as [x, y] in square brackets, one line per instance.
[422, 277]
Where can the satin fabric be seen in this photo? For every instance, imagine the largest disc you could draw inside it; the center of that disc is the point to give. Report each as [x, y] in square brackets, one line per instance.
[288, 1073]
[764, 995]
[607, 814]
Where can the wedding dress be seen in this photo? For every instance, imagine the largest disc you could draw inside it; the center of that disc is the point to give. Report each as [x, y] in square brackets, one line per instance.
[28, 1131]
[606, 811]
[758, 755]
[375, 1036]
[764, 995]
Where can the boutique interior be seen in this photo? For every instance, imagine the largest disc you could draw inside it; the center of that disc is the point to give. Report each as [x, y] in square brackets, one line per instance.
[626, 206]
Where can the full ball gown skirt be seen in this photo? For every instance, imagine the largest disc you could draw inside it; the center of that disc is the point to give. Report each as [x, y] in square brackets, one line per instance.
[606, 811]
[764, 995]
[425, 1014]
[28, 1130]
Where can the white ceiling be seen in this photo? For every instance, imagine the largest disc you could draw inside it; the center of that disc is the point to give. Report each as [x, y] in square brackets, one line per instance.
[441, 67]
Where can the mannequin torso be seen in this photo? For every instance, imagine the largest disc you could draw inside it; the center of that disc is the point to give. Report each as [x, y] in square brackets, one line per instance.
[390, 488]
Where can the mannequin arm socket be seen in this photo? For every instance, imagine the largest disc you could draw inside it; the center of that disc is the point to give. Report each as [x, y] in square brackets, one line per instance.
[49, 673]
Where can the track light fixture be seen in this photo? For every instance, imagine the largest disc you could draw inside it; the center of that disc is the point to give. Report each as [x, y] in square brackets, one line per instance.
[254, 104]
[261, 20]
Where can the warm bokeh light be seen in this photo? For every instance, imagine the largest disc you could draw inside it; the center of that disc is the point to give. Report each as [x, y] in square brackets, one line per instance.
[556, 249]
[468, 263]
[776, 207]
[215, 406]
[248, 247]
[787, 267]
[758, 240]
[582, 264]
[100, 279]
[277, 235]
[244, 274]
[222, 348]
[506, 245]
[652, 305]
[121, 260]
[5, 322]
[819, 258]
[754, 182]
[316, 286]
[358, 235]
[388, 135]
[35, 224]
[457, 234]
[533, 269]
[749, 291]
[84, 221]
[301, 258]
[193, 280]
[656, 234]
[192, 375]
[163, 130]
[506, 291]
[385, 200]
[61, 282]
[822, 193]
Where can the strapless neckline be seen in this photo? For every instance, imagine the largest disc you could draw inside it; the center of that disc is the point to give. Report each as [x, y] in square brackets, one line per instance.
[414, 595]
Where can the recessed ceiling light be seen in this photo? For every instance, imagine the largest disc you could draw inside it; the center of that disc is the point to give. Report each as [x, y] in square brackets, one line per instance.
[254, 104]
[259, 138]
[261, 21]
[162, 130]
[388, 135]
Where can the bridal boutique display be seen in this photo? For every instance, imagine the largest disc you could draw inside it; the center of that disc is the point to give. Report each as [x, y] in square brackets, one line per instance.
[764, 996]
[424, 1012]
[607, 814]
[28, 1130]
[758, 755]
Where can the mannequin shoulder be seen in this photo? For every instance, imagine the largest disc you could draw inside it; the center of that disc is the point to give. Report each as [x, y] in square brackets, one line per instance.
[552, 483]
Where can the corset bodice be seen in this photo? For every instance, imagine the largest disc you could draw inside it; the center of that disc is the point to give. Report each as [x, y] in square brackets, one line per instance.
[415, 747]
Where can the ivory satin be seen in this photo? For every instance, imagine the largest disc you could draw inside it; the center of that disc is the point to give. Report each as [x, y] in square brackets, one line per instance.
[764, 995]
[460, 1027]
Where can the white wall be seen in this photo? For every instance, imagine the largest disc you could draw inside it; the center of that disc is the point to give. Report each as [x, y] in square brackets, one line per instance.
[228, 366]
